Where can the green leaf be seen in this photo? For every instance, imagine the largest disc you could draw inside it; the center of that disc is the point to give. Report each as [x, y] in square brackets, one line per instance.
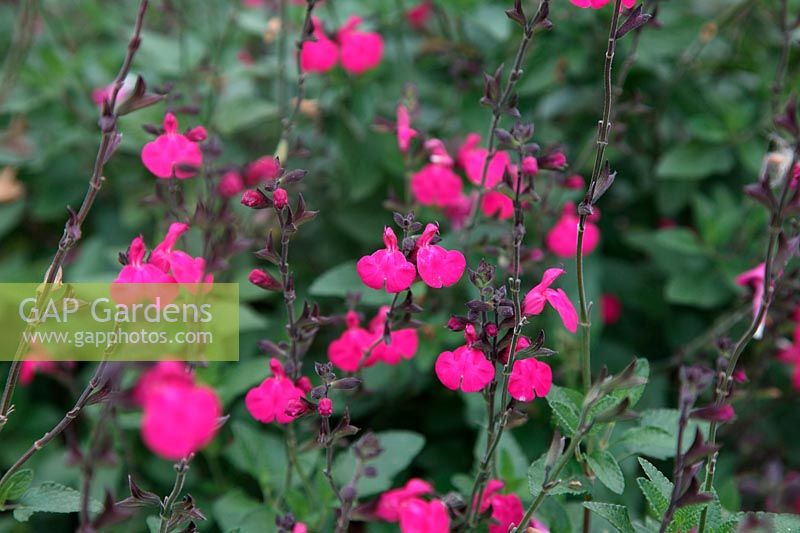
[240, 113]
[662, 483]
[399, 449]
[235, 510]
[257, 452]
[616, 515]
[635, 393]
[565, 406]
[50, 497]
[781, 523]
[658, 502]
[694, 162]
[16, 485]
[607, 470]
[651, 441]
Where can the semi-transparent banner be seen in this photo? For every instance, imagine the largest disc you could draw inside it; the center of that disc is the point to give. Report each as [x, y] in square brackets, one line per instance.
[119, 321]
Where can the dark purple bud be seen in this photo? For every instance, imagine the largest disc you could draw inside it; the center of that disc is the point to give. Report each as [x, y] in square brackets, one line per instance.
[636, 19]
[265, 280]
[714, 413]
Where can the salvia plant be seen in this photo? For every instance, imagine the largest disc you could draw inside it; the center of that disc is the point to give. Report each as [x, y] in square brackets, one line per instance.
[425, 346]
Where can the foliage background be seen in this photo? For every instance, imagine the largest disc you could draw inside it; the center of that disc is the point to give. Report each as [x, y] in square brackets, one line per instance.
[692, 128]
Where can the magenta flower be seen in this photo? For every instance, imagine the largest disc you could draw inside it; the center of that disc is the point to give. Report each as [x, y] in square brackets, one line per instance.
[170, 150]
[180, 419]
[610, 309]
[542, 293]
[419, 516]
[404, 130]
[325, 407]
[436, 185]
[438, 267]
[269, 401]
[465, 368]
[163, 373]
[320, 55]
[419, 15]
[472, 158]
[507, 510]
[530, 166]
[562, 239]
[497, 204]
[360, 50]
[261, 170]
[387, 267]
[186, 270]
[458, 212]
[230, 185]
[280, 198]
[350, 351]
[137, 271]
[493, 487]
[392, 501]
[597, 4]
[530, 378]
[35, 361]
[754, 278]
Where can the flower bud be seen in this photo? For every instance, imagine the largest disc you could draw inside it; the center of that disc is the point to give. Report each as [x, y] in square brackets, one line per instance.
[325, 407]
[255, 199]
[574, 182]
[298, 407]
[264, 279]
[197, 134]
[230, 184]
[554, 161]
[280, 198]
[530, 165]
[490, 329]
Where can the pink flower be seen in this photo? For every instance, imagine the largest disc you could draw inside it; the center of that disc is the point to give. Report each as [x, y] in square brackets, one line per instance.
[325, 407]
[507, 510]
[255, 199]
[530, 166]
[179, 419]
[493, 487]
[754, 278]
[610, 309]
[458, 212]
[419, 516]
[163, 373]
[320, 55]
[436, 185]
[438, 152]
[387, 267]
[100, 94]
[438, 267]
[497, 204]
[361, 50]
[522, 343]
[351, 350]
[553, 161]
[230, 185]
[186, 270]
[280, 198]
[35, 361]
[562, 239]
[597, 4]
[164, 155]
[268, 402]
[139, 272]
[472, 159]
[404, 130]
[530, 378]
[419, 15]
[300, 527]
[261, 170]
[574, 182]
[466, 368]
[542, 293]
[392, 501]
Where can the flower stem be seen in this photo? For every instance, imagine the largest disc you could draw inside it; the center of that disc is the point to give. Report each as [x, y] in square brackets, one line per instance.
[181, 469]
[775, 228]
[72, 229]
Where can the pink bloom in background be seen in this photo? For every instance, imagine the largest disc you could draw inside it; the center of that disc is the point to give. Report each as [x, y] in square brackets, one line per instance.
[458, 212]
[180, 419]
[464, 368]
[562, 239]
[542, 293]
[139, 272]
[350, 351]
[230, 184]
[419, 516]
[522, 343]
[35, 361]
[419, 15]
[507, 510]
[404, 130]
[610, 309]
[436, 185]
[574, 182]
[497, 204]
[438, 152]
[472, 159]
[438, 267]
[100, 94]
[320, 55]
[530, 166]
[268, 401]
[261, 170]
[754, 278]
[387, 267]
[493, 487]
[597, 4]
[300, 527]
[185, 269]
[162, 374]
[530, 379]
[325, 407]
[392, 501]
[360, 50]
[164, 155]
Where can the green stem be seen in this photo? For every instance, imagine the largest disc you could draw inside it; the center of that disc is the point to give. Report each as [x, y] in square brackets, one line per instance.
[181, 468]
